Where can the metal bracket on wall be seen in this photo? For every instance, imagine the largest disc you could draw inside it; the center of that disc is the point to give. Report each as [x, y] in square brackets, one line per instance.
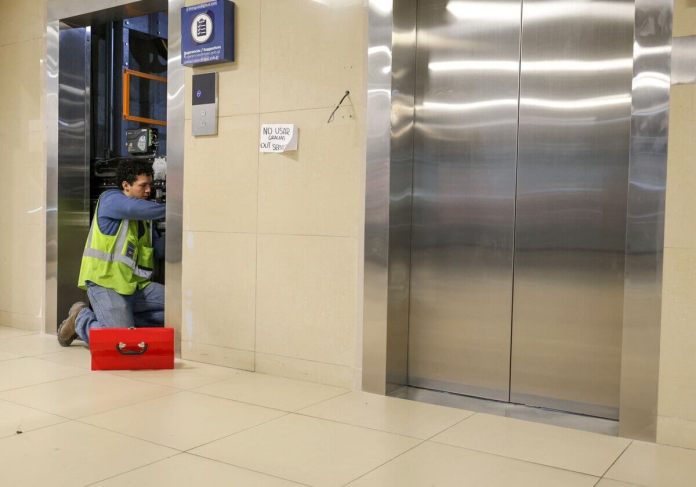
[127, 73]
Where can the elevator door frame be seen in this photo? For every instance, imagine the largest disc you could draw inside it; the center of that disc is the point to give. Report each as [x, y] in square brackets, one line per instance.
[84, 14]
[391, 40]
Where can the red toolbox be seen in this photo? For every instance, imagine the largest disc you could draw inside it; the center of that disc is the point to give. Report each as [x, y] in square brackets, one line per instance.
[132, 348]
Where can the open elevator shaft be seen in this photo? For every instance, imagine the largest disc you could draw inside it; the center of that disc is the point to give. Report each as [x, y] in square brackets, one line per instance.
[112, 106]
[520, 167]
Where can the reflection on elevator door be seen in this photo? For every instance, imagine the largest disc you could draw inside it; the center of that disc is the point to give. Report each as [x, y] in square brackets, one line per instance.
[519, 202]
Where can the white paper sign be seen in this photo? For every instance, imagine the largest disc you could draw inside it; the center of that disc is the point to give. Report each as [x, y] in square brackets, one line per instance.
[278, 137]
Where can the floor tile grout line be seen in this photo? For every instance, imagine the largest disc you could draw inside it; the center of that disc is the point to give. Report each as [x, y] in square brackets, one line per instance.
[125, 376]
[13, 389]
[198, 455]
[93, 414]
[176, 392]
[37, 409]
[132, 469]
[241, 402]
[369, 428]
[452, 426]
[189, 450]
[306, 415]
[298, 411]
[513, 458]
[385, 463]
[617, 459]
[39, 428]
[126, 435]
[421, 442]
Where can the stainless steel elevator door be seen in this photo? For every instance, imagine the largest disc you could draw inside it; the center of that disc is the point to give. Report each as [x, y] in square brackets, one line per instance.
[73, 162]
[575, 109]
[465, 145]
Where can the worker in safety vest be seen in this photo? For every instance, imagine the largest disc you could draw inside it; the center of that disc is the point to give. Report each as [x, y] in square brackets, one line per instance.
[118, 259]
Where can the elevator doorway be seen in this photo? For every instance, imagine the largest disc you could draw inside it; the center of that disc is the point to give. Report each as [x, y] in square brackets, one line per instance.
[518, 218]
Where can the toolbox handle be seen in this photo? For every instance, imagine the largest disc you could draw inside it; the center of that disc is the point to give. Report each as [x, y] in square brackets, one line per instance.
[121, 348]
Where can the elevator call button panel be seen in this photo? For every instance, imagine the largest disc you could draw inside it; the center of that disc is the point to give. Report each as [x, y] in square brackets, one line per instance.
[204, 108]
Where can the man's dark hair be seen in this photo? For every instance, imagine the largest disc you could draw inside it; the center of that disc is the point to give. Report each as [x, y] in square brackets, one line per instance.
[129, 170]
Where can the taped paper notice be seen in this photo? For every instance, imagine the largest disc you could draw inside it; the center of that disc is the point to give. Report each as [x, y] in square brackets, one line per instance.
[278, 137]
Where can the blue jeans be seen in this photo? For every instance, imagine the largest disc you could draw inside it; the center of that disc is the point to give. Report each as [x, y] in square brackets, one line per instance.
[144, 308]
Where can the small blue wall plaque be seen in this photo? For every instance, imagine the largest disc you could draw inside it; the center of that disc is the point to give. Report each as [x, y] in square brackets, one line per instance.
[207, 33]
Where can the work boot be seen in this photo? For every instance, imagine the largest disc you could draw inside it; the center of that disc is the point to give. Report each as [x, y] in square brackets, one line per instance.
[66, 330]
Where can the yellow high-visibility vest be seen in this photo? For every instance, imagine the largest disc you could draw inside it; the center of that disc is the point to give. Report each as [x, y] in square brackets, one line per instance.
[122, 262]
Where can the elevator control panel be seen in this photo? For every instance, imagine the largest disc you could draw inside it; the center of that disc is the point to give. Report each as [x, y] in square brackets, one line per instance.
[204, 108]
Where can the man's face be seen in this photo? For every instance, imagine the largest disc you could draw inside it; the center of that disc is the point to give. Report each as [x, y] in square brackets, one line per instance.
[140, 188]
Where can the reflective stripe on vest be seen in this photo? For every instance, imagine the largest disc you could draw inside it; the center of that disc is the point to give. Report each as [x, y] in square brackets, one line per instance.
[116, 256]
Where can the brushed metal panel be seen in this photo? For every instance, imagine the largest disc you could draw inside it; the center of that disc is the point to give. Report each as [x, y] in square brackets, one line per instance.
[575, 100]
[73, 162]
[51, 114]
[376, 249]
[646, 215]
[467, 73]
[175, 170]
[401, 189]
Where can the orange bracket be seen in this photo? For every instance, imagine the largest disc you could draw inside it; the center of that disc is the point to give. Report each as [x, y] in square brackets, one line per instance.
[127, 73]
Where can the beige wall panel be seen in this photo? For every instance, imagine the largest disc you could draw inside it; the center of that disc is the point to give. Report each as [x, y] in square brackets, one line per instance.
[306, 298]
[294, 368]
[238, 89]
[27, 270]
[212, 354]
[26, 192]
[311, 53]
[680, 224]
[21, 20]
[25, 322]
[313, 191]
[684, 18]
[221, 177]
[23, 165]
[21, 82]
[21, 281]
[676, 432]
[219, 271]
[677, 384]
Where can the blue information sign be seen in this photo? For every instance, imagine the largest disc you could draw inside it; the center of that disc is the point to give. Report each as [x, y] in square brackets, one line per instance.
[207, 33]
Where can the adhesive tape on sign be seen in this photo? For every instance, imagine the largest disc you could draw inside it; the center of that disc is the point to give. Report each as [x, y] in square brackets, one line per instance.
[201, 28]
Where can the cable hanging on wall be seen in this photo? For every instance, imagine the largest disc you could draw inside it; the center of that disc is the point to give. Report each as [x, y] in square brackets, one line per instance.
[331, 117]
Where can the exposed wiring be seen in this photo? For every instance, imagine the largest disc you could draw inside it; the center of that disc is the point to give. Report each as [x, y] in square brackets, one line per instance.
[331, 117]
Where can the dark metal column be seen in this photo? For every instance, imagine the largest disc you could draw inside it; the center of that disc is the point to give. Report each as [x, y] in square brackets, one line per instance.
[73, 162]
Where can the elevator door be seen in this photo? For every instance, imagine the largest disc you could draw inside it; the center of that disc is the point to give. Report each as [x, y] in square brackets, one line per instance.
[522, 127]
[467, 87]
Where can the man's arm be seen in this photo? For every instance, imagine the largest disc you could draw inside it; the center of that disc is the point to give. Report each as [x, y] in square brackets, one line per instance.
[117, 206]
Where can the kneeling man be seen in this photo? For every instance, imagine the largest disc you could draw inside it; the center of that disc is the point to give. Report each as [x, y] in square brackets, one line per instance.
[118, 260]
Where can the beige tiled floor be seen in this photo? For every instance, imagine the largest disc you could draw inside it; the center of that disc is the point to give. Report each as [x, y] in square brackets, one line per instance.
[63, 425]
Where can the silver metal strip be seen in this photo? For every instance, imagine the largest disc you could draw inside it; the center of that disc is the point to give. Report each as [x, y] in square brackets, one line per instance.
[645, 219]
[376, 278]
[401, 190]
[175, 171]
[51, 176]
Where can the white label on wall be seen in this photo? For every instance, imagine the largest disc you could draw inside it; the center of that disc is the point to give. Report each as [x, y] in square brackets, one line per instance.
[278, 137]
